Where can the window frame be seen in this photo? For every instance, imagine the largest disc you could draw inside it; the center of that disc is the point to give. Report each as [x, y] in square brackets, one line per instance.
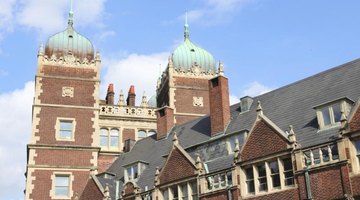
[54, 186]
[109, 136]
[58, 129]
[344, 105]
[255, 179]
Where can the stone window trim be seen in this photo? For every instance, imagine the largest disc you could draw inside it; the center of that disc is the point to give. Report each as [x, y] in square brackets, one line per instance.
[332, 111]
[57, 128]
[268, 175]
[133, 171]
[355, 150]
[146, 131]
[109, 136]
[53, 185]
[186, 190]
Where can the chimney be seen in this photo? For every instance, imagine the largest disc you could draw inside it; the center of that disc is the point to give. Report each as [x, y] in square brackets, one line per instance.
[128, 145]
[245, 103]
[165, 121]
[110, 94]
[219, 104]
[131, 96]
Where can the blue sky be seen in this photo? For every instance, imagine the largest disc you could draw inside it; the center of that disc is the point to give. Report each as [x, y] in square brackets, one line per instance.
[264, 44]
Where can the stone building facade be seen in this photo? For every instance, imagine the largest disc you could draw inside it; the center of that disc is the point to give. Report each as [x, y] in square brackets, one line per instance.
[301, 141]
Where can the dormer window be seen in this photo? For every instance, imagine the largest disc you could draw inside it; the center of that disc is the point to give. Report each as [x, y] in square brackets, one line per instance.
[329, 114]
[133, 171]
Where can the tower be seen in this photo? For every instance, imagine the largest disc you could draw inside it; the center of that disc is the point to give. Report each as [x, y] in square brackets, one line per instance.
[65, 133]
[183, 85]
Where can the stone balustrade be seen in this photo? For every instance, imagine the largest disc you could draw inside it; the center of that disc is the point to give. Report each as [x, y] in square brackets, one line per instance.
[218, 181]
[127, 111]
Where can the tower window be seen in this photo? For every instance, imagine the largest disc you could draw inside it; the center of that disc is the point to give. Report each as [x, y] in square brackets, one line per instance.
[62, 185]
[65, 129]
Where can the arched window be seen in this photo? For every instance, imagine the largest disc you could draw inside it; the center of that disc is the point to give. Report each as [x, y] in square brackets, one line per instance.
[151, 132]
[141, 134]
[114, 138]
[104, 137]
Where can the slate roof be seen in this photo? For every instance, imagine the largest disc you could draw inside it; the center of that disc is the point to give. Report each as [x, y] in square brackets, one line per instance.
[290, 105]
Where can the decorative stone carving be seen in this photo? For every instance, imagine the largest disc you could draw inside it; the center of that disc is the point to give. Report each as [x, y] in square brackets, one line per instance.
[198, 101]
[68, 60]
[68, 92]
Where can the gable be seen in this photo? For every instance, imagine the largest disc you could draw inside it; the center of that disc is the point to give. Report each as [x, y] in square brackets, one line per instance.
[129, 189]
[354, 123]
[177, 167]
[91, 191]
[263, 140]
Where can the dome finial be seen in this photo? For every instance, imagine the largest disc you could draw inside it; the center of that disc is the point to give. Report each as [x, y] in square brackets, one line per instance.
[186, 27]
[71, 14]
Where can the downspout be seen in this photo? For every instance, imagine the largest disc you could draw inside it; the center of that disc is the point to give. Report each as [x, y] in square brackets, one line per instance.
[307, 183]
[117, 190]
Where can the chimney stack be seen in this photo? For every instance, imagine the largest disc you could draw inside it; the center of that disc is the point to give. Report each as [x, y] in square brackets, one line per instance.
[165, 121]
[219, 104]
[131, 96]
[110, 94]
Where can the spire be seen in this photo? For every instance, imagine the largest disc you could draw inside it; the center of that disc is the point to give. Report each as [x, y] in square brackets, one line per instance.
[186, 28]
[71, 14]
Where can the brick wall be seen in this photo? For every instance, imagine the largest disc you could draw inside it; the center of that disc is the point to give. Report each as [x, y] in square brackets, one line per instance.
[43, 183]
[326, 183]
[263, 140]
[162, 98]
[177, 167]
[56, 157]
[91, 191]
[128, 134]
[222, 195]
[355, 183]
[68, 72]
[52, 92]
[129, 189]
[83, 129]
[286, 194]
[104, 162]
[355, 122]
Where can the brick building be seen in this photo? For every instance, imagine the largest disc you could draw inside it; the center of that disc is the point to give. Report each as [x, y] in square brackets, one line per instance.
[301, 141]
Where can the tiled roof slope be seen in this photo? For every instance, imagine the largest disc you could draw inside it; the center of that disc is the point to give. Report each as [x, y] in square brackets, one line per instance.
[290, 105]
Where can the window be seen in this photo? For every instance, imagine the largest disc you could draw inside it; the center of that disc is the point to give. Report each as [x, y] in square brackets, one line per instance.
[151, 132]
[250, 180]
[109, 139]
[103, 137]
[62, 185]
[132, 172]
[288, 172]
[66, 129]
[275, 176]
[330, 114]
[262, 177]
[194, 191]
[141, 134]
[114, 137]
[183, 191]
[268, 176]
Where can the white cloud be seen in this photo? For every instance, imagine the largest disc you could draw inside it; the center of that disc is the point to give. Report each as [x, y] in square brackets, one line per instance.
[49, 16]
[255, 88]
[139, 70]
[234, 99]
[216, 11]
[15, 121]
[6, 16]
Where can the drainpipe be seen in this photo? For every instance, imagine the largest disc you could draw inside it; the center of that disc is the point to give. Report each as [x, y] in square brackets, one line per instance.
[307, 183]
[229, 194]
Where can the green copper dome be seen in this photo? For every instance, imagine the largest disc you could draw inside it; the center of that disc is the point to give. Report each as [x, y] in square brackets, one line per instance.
[69, 42]
[188, 54]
